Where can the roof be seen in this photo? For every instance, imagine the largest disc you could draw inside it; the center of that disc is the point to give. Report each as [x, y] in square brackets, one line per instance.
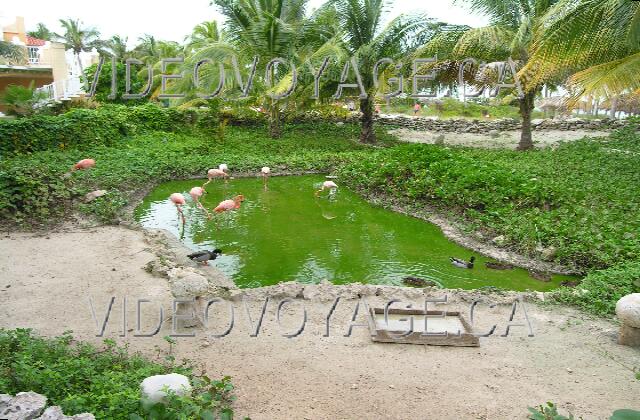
[35, 42]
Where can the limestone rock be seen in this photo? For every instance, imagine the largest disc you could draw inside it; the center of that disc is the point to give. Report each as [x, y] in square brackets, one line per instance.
[55, 413]
[186, 282]
[154, 388]
[499, 240]
[89, 197]
[628, 310]
[24, 406]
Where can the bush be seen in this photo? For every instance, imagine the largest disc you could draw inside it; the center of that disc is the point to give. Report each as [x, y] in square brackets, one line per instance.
[106, 382]
[600, 290]
[83, 128]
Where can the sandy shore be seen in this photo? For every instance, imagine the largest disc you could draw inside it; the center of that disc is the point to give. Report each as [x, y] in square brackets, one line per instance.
[572, 359]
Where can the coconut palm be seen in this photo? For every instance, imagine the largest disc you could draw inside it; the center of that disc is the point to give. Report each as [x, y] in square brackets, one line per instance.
[12, 53]
[510, 34]
[367, 40]
[203, 34]
[78, 38]
[597, 41]
[117, 46]
[41, 32]
[263, 29]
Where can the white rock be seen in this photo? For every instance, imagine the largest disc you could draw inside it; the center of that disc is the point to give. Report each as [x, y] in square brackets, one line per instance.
[537, 122]
[154, 388]
[187, 283]
[499, 240]
[89, 197]
[24, 406]
[55, 413]
[628, 310]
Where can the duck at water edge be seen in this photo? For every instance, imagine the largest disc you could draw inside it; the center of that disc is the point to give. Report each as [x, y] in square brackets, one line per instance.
[462, 263]
[204, 256]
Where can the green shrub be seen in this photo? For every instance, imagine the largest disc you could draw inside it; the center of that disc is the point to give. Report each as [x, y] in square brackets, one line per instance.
[106, 382]
[600, 290]
[84, 128]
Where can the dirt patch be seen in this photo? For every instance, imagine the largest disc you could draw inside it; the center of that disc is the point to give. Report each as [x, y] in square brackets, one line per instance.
[499, 140]
[572, 359]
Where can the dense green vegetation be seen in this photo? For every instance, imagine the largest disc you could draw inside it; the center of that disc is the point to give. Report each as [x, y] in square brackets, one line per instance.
[453, 108]
[104, 381]
[34, 188]
[578, 198]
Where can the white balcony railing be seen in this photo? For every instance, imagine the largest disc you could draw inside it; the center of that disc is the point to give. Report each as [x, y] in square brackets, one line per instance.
[62, 90]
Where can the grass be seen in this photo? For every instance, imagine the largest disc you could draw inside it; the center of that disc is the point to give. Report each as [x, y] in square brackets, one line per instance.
[34, 190]
[103, 381]
[580, 199]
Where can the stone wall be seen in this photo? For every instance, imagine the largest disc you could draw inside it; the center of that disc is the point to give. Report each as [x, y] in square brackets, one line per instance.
[487, 126]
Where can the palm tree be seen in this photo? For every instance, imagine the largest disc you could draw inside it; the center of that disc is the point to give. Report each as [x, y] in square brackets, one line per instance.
[597, 41]
[12, 53]
[78, 38]
[367, 40]
[117, 45]
[41, 32]
[264, 29]
[510, 34]
[203, 34]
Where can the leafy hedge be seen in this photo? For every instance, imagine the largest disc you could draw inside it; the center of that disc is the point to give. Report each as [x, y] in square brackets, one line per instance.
[82, 128]
[600, 290]
[79, 378]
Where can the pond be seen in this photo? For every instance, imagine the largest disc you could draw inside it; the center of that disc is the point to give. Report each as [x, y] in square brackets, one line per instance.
[286, 233]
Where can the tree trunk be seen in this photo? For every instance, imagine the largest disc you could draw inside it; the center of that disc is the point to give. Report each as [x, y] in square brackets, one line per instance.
[367, 133]
[275, 120]
[613, 106]
[526, 107]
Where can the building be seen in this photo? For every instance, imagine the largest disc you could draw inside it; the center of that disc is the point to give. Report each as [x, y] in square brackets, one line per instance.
[46, 64]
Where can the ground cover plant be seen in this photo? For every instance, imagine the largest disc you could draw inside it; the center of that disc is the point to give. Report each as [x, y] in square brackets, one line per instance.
[104, 381]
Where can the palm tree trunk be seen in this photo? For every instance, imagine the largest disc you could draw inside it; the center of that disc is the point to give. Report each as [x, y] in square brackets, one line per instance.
[275, 120]
[526, 107]
[367, 133]
[613, 106]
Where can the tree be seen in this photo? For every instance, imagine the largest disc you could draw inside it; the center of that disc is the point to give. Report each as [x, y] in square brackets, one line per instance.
[78, 38]
[117, 46]
[12, 53]
[22, 101]
[367, 40]
[41, 32]
[510, 35]
[203, 34]
[596, 41]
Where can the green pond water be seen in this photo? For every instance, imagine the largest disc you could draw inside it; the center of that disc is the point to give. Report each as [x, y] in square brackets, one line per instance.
[286, 233]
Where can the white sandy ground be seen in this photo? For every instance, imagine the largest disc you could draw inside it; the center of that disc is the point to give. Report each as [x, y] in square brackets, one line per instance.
[573, 360]
[505, 139]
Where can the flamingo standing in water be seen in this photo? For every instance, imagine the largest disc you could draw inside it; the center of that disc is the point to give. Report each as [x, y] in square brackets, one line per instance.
[196, 193]
[327, 185]
[178, 200]
[214, 173]
[265, 171]
[227, 205]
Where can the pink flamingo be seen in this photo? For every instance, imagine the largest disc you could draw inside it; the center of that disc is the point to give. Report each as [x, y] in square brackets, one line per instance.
[265, 171]
[214, 173]
[84, 164]
[196, 193]
[179, 201]
[229, 204]
[327, 185]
